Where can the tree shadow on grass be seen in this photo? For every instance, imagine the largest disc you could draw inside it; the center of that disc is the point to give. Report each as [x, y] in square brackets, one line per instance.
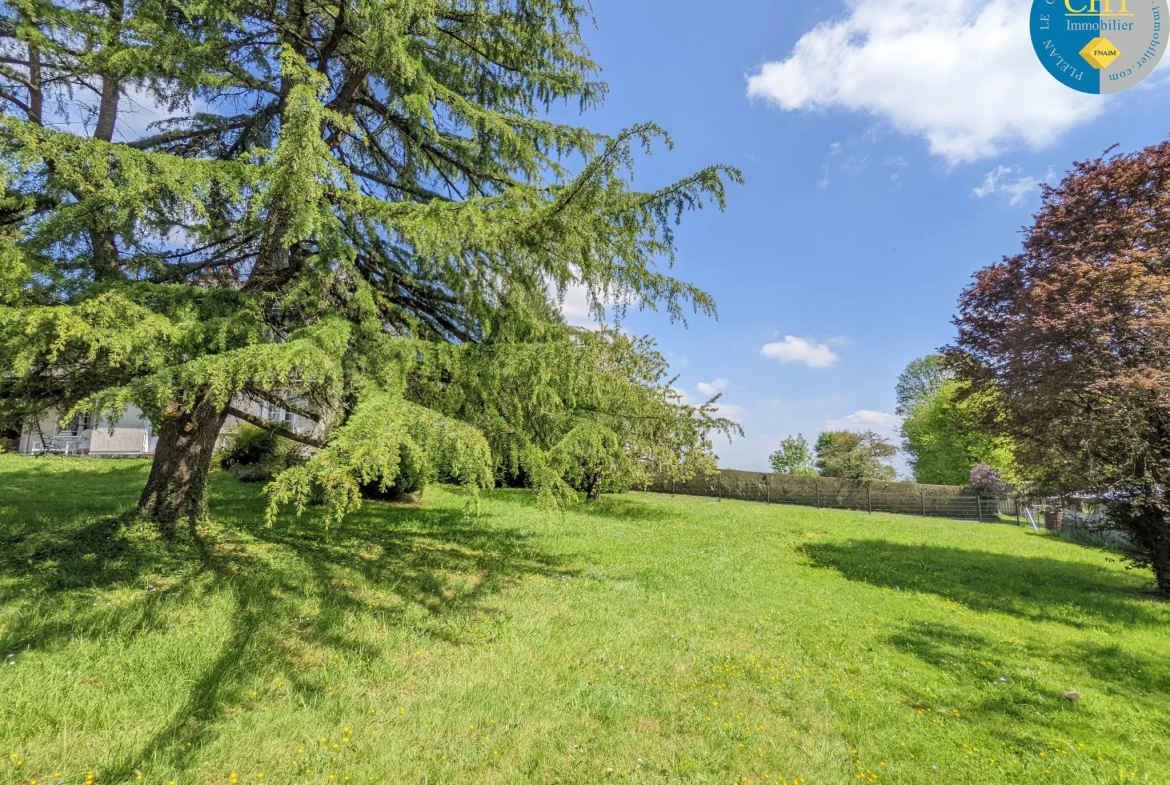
[1033, 588]
[1001, 674]
[433, 567]
[50, 515]
[1127, 673]
[437, 561]
[975, 660]
[613, 506]
[302, 593]
[999, 688]
[57, 583]
[628, 508]
[64, 540]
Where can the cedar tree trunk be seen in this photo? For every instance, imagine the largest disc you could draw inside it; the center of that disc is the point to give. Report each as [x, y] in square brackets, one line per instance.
[593, 485]
[174, 490]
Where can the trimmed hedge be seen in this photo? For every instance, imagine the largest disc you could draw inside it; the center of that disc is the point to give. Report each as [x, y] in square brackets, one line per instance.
[906, 498]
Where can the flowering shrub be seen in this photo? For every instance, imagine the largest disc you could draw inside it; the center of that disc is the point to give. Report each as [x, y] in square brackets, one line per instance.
[986, 481]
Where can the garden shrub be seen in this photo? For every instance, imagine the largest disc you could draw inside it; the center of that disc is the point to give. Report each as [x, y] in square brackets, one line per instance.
[253, 454]
[414, 474]
[987, 481]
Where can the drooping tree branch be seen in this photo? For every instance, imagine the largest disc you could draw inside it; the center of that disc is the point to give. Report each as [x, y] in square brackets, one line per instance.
[272, 427]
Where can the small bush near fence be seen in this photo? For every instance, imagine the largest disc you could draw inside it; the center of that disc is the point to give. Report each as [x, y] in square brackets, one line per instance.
[905, 498]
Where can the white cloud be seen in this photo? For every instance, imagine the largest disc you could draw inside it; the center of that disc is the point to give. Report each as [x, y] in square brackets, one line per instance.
[866, 420]
[824, 181]
[575, 307]
[138, 110]
[803, 350]
[897, 163]
[730, 411]
[712, 387]
[960, 73]
[706, 390]
[1009, 182]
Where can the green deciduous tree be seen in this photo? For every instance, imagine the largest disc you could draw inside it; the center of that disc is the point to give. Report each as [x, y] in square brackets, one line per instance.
[853, 455]
[921, 380]
[946, 433]
[793, 457]
[344, 198]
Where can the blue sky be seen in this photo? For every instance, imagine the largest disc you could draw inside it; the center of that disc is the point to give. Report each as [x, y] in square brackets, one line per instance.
[890, 150]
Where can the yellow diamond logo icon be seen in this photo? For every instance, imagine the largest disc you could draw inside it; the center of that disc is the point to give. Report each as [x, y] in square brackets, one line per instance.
[1100, 53]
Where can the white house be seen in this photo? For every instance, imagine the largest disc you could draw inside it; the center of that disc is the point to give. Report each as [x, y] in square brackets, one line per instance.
[132, 435]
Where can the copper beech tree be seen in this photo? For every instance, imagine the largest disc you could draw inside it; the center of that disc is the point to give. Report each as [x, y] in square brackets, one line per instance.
[1073, 333]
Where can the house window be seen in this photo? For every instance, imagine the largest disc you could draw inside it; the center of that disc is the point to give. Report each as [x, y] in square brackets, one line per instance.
[276, 414]
[78, 425]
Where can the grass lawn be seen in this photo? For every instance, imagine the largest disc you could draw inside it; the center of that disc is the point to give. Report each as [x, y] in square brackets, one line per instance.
[638, 639]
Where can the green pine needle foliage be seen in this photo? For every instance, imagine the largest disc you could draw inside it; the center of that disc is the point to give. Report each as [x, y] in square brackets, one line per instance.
[361, 207]
[383, 431]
